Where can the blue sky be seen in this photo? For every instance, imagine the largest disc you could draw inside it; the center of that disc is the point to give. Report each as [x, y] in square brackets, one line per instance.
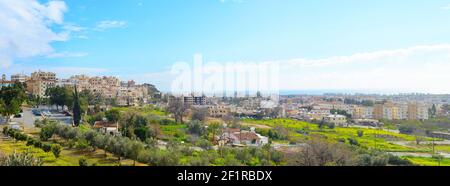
[141, 39]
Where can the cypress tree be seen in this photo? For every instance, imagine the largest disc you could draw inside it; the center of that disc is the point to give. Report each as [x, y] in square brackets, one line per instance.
[76, 109]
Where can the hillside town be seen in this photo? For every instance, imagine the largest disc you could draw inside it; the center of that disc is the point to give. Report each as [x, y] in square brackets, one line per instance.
[340, 109]
[124, 93]
[401, 126]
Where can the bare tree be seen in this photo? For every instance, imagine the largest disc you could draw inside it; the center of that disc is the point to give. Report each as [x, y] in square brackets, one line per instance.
[232, 121]
[200, 114]
[177, 108]
[320, 152]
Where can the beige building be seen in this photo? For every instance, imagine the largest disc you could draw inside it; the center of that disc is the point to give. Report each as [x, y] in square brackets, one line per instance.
[40, 75]
[39, 82]
[417, 111]
[362, 112]
[218, 111]
[336, 119]
[108, 87]
[378, 111]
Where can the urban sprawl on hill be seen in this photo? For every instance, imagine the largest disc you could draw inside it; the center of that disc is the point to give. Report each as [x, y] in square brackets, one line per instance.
[103, 121]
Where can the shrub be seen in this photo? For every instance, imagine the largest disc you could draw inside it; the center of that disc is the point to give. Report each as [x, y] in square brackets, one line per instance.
[83, 162]
[71, 144]
[5, 130]
[353, 141]
[17, 159]
[37, 144]
[167, 122]
[30, 141]
[395, 160]
[331, 125]
[196, 127]
[204, 144]
[405, 129]
[82, 144]
[380, 160]
[46, 147]
[342, 140]
[45, 134]
[360, 133]
[364, 160]
[56, 150]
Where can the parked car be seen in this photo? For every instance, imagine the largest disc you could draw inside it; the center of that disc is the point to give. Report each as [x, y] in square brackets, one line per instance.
[15, 125]
[36, 112]
[20, 115]
[46, 113]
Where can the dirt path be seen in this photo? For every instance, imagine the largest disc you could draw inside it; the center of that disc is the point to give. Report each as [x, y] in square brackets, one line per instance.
[258, 126]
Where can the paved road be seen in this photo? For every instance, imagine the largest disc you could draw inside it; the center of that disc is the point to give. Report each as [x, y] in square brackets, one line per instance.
[414, 154]
[412, 143]
[28, 118]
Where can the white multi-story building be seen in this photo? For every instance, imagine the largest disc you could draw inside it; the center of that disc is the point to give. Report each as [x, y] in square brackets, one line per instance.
[22, 78]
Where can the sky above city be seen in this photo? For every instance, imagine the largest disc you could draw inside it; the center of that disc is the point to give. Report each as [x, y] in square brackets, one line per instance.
[382, 45]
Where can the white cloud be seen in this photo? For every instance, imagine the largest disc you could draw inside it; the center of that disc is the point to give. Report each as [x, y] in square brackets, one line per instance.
[419, 68]
[55, 11]
[446, 7]
[26, 28]
[104, 25]
[73, 28]
[67, 55]
[373, 57]
[412, 69]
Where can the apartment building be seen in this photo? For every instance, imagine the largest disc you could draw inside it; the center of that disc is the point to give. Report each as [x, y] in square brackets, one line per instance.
[218, 111]
[39, 82]
[40, 75]
[108, 87]
[194, 100]
[132, 95]
[38, 87]
[65, 83]
[417, 111]
[400, 111]
[362, 112]
[378, 111]
[22, 78]
[336, 119]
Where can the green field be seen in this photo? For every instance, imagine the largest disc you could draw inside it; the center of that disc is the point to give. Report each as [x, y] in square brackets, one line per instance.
[442, 148]
[150, 110]
[372, 138]
[422, 161]
[176, 132]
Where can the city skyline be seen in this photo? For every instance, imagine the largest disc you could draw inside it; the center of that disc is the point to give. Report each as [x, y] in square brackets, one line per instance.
[370, 47]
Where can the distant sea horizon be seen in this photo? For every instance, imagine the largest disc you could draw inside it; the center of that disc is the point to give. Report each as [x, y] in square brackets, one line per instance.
[342, 91]
[319, 92]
